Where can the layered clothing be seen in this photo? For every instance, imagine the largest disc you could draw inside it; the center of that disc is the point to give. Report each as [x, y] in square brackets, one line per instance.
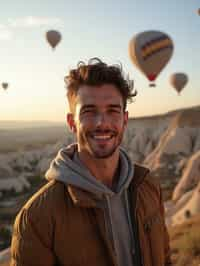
[76, 220]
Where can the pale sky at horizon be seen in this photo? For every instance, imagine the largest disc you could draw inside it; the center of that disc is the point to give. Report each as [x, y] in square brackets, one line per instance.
[91, 29]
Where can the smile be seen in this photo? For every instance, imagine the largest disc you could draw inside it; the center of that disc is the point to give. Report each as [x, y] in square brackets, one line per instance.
[102, 137]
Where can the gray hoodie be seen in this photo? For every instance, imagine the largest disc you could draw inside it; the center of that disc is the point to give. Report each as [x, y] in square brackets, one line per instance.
[113, 202]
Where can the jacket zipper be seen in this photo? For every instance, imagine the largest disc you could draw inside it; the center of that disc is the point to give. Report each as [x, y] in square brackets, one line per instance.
[105, 235]
[137, 258]
[147, 231]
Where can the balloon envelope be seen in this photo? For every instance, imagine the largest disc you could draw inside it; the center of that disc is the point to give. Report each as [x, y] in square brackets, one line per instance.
[178, 81]
[4, 85]
[150, 51]
[53, 37]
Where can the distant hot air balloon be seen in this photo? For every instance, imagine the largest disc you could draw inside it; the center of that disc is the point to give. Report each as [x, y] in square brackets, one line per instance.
[4, 85]
[198, 11]
[178, 81]
[150, 51]
[53, 37]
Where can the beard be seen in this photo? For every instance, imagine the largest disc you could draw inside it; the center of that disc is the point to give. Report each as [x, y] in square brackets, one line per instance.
[100, 150]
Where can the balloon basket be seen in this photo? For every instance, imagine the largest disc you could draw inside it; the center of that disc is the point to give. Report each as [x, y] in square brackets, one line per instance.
[152, 85]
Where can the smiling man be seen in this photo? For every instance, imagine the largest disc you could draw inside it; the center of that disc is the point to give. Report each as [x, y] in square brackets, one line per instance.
[99, 121]
[98, 208]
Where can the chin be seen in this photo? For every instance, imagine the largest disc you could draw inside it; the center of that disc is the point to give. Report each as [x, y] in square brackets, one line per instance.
[103, 154]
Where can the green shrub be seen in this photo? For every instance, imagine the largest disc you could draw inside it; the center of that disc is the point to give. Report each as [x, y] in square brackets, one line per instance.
[35, 180]
[5, 233]
[5, 238]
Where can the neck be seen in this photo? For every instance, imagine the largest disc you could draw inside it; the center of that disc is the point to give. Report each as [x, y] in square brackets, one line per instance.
[103, 170]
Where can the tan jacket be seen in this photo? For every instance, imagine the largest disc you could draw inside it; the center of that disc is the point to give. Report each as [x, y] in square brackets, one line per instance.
[62, 225]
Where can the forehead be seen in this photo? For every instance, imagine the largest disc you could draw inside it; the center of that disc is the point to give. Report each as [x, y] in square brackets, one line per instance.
[99, 95]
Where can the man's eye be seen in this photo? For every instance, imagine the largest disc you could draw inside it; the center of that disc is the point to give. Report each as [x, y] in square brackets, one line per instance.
[114, 111]
[86, 112]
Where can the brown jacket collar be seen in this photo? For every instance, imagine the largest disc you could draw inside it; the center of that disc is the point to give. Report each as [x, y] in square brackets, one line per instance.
[86, 199]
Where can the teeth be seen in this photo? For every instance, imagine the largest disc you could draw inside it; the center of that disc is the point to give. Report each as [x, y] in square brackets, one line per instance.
[102, 137]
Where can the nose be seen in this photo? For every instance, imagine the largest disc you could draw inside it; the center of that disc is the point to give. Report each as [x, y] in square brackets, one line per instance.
[102, 120]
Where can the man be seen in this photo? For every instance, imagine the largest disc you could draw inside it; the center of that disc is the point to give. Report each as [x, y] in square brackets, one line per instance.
[97, 208]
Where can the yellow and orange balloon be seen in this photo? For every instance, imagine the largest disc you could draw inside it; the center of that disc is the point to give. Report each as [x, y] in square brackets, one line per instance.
[150, 51]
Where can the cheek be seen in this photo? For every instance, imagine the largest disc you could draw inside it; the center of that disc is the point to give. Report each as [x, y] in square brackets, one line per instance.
[82, 129]
[86, 124]
[120, 124]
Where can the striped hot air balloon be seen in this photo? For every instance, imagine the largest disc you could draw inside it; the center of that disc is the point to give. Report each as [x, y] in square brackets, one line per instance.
[150, 51]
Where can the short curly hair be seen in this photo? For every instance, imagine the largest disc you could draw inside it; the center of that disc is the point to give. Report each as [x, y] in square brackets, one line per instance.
[98, 73]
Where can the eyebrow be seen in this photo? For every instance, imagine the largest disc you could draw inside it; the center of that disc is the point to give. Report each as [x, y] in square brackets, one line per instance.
[89, 106]
[115, 106]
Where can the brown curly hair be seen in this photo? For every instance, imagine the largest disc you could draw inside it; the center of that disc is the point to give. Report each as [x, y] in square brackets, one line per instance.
[97, 73]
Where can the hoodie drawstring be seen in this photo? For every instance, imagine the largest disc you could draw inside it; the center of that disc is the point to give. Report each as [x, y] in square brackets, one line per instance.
[109, 224]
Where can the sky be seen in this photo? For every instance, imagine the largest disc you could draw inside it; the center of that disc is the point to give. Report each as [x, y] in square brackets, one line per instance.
[89, 28]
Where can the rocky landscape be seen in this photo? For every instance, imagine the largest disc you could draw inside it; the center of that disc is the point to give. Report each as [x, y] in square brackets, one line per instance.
[168, 144]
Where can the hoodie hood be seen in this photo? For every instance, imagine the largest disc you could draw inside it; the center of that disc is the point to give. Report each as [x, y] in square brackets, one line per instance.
[67, 168]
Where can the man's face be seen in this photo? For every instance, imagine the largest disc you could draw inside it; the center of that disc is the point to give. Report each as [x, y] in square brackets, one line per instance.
[99, 120]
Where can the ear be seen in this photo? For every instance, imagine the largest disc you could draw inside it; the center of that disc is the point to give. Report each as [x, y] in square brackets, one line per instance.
[70, 122]
[125, 118]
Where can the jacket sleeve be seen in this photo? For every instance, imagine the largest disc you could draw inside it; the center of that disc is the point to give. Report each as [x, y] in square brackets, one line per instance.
[31, 244]
[166, 236]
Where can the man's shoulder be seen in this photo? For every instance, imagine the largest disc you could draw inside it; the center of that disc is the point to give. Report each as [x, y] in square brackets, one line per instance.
[48, 196]
[37, 218]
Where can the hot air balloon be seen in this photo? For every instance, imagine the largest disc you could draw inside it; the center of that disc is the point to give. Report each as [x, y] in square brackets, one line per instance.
[150, 51]
[53, 37]
[198, 11]
[4, 85]
[178, 81]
